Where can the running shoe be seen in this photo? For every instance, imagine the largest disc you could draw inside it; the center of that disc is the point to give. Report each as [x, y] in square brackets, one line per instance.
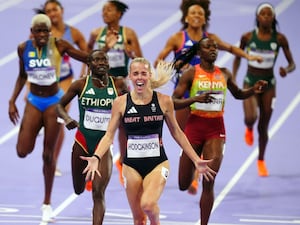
[249, 138]
[120, 170]
[262, 169]
[58, 172]
[89, 185]
[193, 188]
[47, 213]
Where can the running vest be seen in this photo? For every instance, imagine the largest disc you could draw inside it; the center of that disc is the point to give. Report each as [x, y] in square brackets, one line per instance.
[118, 59]
[268, 50]
[66, 68]
[143, 125]
[186, 44]
[42, 67]
[204, 82]
[95, 111]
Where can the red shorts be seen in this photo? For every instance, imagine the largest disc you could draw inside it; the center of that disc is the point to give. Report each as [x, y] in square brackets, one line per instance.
[200, 129]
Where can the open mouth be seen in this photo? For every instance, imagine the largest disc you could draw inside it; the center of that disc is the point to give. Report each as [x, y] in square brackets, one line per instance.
[139, 84]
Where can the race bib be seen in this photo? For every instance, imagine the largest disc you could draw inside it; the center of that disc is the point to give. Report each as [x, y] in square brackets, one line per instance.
[215, 106]
[96, 119]
[42, 76]
[268, 60]
[143, 146]
[116, 58]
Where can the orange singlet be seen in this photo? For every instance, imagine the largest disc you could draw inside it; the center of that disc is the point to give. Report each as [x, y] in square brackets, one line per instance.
[206, 119]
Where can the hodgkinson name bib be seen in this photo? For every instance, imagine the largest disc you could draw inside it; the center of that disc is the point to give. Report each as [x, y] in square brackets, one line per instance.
[143, 146]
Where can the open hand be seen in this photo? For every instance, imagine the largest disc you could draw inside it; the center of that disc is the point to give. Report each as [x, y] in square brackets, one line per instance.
[203, 168]
[92, 167]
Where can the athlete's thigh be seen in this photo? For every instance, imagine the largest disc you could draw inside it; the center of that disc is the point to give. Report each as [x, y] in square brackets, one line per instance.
[51, 126]
[154, 183]
[213, 149]
[133, 187]
[30, 126]
[267, 102]
[105, 168]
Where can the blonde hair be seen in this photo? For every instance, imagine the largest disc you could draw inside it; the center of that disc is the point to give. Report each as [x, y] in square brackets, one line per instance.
[41, 18]
[161, 75]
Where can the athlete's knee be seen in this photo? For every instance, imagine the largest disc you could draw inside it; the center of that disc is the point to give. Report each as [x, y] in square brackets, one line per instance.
[183, 186]
[48, 156]
[22, 150]
[78, 191]
[22, 154]
[98, 194]
[208, 186]
[149, 206]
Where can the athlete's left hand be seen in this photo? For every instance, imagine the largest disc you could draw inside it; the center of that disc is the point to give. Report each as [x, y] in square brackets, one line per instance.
[260, 86]
[205, 170]
[92, 167]
[282, 72]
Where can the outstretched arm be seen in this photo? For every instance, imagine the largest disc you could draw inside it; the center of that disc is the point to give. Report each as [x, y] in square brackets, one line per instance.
[259, 86]
[233, 49]
[65, 47]
[172, 44]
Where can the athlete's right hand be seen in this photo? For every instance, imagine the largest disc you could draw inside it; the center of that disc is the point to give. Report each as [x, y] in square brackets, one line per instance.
[13, 113]
[71, 124]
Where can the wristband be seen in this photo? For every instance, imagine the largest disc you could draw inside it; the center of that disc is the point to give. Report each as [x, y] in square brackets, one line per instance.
[98, 157]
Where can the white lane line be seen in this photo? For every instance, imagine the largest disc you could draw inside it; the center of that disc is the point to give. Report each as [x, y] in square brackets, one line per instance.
[9, 135]
[7, 4]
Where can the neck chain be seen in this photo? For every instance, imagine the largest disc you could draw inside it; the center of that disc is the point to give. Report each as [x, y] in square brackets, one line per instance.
[100, 81]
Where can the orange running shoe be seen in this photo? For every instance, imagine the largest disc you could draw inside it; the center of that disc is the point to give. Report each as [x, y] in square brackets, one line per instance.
[249, 139]
[119, 167]
[193, 188]
[262, 169]
[89, 185]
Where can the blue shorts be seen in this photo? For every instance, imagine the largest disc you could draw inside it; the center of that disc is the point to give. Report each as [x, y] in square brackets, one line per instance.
[43, 103]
